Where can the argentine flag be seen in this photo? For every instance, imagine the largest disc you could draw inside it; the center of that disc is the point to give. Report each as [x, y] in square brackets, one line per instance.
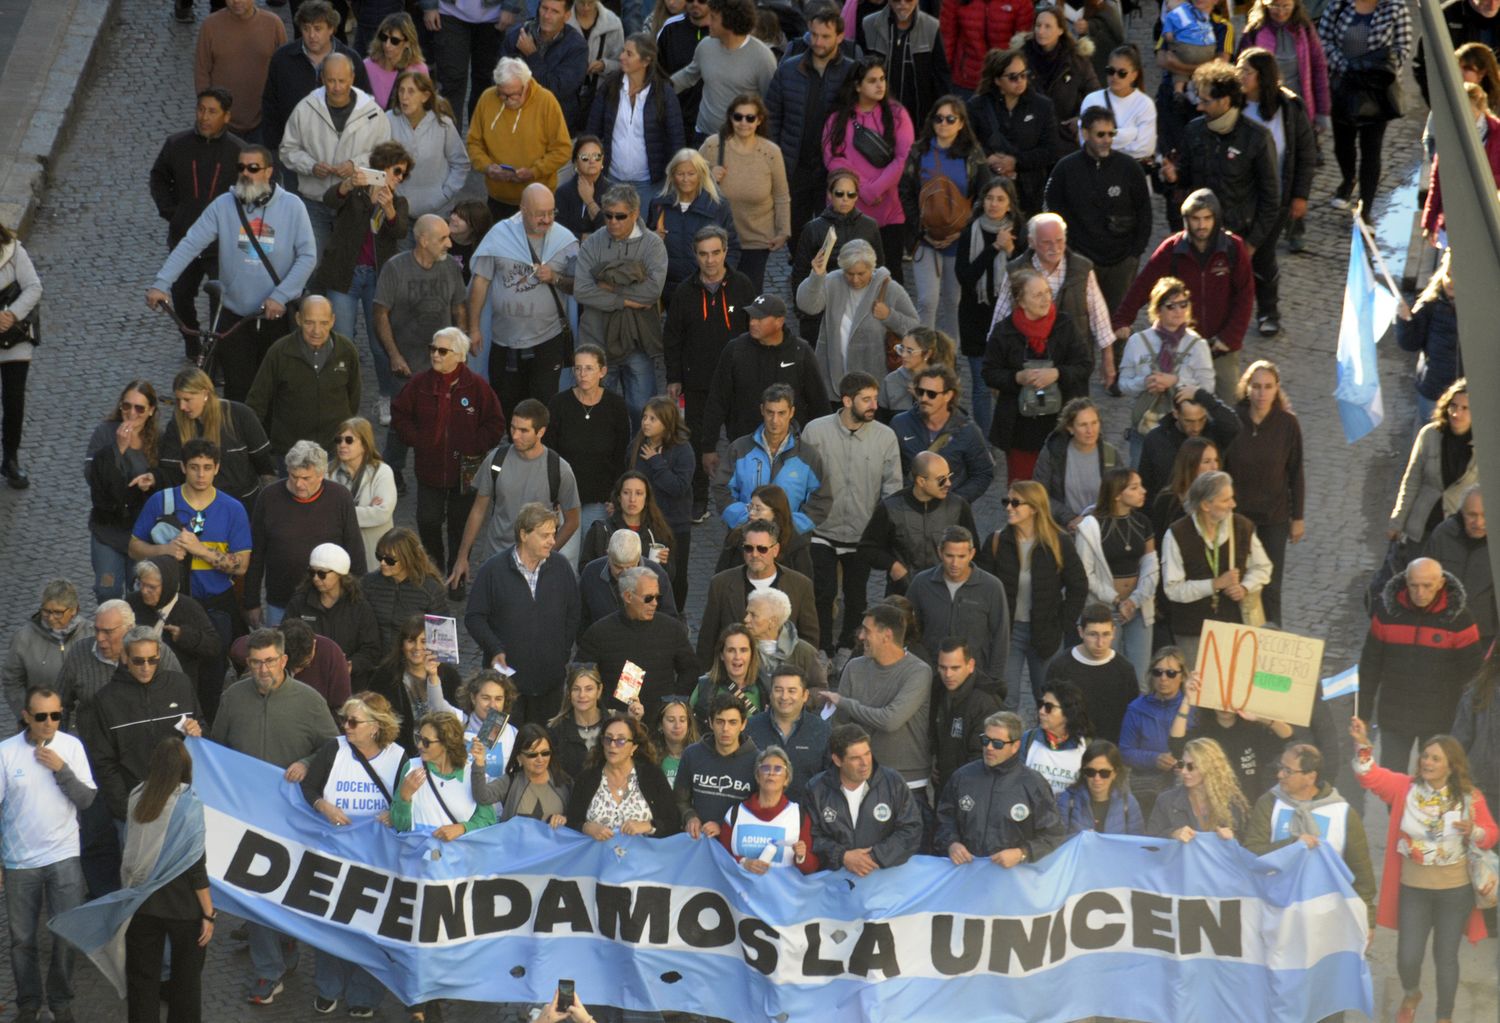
[1368, 311]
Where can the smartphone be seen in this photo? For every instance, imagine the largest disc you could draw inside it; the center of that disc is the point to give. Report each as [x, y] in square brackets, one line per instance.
[565, 996]
[493, 728]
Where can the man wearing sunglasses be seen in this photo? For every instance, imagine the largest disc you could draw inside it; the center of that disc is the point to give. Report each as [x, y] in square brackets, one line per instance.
[997, 806]
[658, 643]
[936, 423]
[44, 782]
[904, 533]
[729, 590]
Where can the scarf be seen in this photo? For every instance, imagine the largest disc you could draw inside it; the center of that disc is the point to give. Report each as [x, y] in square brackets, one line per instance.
[979, 240]
[1036, 332]
[1225, 122]
[1166, 358]
[1303, 822]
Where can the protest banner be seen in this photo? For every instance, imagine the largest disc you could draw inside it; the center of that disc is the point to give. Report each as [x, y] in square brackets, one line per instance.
[1268, 673]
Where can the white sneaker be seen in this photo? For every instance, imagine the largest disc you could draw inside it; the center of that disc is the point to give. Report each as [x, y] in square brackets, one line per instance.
[383, 410]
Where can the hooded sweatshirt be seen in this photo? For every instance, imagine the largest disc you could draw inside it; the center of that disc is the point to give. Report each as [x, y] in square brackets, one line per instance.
[312, 138]
[535, 136]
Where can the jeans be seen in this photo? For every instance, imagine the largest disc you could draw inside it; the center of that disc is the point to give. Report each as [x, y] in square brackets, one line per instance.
[110, 570]
[1441, 913]
[346, 307]
[588, 514]
[99, 843]
[634, 379]
[1135, 646]
[826, 564]
[464, 55]
[336, 978]
[273, 615]
[753, 265]
[1022, 655]
[144, 941]
[322, 223]
[272, 954]
[982, 402]
[438, 507]
[937, 289]
[60, 884]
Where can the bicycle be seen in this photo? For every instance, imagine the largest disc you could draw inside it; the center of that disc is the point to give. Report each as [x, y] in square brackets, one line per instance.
[212, 336]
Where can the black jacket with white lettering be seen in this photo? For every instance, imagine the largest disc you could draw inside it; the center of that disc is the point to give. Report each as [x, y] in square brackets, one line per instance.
[1005, 807]
[889, 825]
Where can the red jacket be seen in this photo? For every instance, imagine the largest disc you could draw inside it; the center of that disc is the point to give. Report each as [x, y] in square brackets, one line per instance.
[1432, 210]
[1222, 286]
[971, 30]
[445, 419]
[1391, 787]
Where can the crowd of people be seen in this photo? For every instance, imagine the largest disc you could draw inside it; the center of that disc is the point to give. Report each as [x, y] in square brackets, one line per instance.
[587, 362]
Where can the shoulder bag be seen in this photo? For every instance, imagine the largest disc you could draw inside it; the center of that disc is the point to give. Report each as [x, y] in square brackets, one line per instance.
[871, 145]
[1484, 868]
[1040, 401]
[25, 329]
[892, 339]
[265, 260]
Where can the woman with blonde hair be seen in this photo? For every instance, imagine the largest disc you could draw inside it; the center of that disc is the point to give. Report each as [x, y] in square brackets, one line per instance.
[1165, 356]
[575, 729]
[368, 479]
[245, 457]
[690, 200]
[392, 49]
[1044, 582]
[1207, 797]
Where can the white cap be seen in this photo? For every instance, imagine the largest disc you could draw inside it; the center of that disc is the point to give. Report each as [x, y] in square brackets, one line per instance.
[330, 556]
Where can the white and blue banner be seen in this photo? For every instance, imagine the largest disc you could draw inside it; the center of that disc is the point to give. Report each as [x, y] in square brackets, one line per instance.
[1145, 929]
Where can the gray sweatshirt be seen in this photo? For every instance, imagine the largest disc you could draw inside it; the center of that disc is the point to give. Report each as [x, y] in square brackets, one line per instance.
[860, 467]
[891, 703]
[725, 74]
[288, 723]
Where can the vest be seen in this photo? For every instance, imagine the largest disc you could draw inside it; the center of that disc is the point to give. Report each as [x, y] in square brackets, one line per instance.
[427, 813]
[350, 787]
[749, 835]
[1188, 619]
[1333, 822]
[919, 534]
[1073, 298]
[1059, 766]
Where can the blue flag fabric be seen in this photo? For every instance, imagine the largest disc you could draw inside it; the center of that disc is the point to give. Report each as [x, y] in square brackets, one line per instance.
[1368, 311]
[1145, 929]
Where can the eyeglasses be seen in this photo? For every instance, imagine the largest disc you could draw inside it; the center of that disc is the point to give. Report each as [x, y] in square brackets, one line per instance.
[745, 118]
[617, 216]
[423, 742]
[141, 662]
[946, 118]
[321, 573]
[249, 168]
[264, 663]
[649, 598]
[391, 37]
[1048, 706]
[985, 740]
[590, 157]
[57, 612]
[1016, 76]
[1180, 303]
[440, 350]
[347, 438]
[46, 715]
[840, 193]
[756, 548]
[130, 406]
[617, 740]
[354, 722]
[1185, 766]
[772, 769]
[1165, 672]
[386, 559]
[940, 481]
[928, 392]
[1011, 502]
[1283, 769]
[1098, 772]
[537, 754]
[1119, 72]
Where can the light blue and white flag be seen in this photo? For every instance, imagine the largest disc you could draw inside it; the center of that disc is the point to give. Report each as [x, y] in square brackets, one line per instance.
[1345, 683]
[1368, 311]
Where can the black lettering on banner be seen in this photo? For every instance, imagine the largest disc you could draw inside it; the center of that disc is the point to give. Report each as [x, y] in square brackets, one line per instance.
[1058, 946]
[758, 944]
[312, 884]
[875, 950]
[442, 911]
[1008, 936]
[396, 922]
[488, 892]
[244, 870]
[812, 966]
[562, 903]
[1088, 938]
[1151, 921]
[690, 921]
[947, 963]
[358, 892]
[1196, 921]
[627, 913]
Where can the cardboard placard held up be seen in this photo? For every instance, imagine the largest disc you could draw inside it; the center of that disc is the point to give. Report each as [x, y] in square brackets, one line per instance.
[1271, 674]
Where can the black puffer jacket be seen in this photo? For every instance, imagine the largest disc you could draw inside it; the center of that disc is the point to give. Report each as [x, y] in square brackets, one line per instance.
[394, 603]
[1028, 132]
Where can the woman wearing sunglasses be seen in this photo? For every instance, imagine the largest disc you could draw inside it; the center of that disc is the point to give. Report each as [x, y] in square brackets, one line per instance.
[368, 479]
[532, 786]
[1207, 798]
[1055, 747]
[404, 582]
[330, 600]
[768, 830]
[434, 793]
[1016, 124]
[393, 49]
[1164, 357]
[121, 470]
[415, 682]
[621, 791]
[1101, 800]
[1145, 733]
[1135, 112]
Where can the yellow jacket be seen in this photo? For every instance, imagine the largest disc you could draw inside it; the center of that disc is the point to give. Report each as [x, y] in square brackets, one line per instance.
[535, 136]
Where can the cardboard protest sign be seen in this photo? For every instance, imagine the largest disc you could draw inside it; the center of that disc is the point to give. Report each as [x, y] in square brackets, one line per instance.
[1271, 674]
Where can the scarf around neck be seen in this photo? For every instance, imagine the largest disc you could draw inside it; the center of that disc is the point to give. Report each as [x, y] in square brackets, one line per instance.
[1166, 358]
[977, 245]
[1303, 822]
[1036, 332]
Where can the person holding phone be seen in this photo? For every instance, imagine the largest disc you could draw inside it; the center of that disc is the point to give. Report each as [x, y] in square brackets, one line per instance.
[564, 1006]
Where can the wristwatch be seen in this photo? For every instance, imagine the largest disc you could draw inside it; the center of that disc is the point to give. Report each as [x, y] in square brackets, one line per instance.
[211, 916]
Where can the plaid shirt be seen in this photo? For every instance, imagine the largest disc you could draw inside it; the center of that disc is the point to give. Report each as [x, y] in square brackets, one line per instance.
[1390, 29]
[1099, 325]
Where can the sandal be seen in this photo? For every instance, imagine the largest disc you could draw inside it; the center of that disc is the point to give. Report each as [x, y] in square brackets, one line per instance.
[1408, 1011]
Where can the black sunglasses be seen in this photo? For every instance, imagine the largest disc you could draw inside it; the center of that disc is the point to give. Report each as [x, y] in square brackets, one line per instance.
[946, 118]
[1098, 772]
[617, 216]
[386, 559]
[390, 37]
[347, 438]
[745, 118]
[1119, 72]
[250, 168]
[839, 193]
[985, 740]
[1165, 672]
[928, 392]
[1011, 502]
[650, 598]
[46, 715]
[756, 548]
[321, 573]
[1180, 303]
[141, 662]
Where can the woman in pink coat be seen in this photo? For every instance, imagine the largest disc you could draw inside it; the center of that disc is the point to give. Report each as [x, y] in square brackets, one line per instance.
[871, 135]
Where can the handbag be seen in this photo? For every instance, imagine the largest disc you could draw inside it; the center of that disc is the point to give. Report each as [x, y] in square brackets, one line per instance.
[25, 329]
[1369, 90]
[1484, 868]
[878, 153]
[892, 339]
[1035, 402]
[1252, 609]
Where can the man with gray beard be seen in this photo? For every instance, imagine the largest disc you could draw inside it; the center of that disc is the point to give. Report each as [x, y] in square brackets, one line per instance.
[266, 254]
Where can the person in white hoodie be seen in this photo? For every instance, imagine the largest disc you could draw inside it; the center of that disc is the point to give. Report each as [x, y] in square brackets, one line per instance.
[330, 135]
[424, 123]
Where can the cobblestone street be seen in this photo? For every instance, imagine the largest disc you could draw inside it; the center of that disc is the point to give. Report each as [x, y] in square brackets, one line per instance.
[97, 241]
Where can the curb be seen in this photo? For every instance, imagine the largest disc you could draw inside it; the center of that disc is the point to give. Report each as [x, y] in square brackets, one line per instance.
[23, 174]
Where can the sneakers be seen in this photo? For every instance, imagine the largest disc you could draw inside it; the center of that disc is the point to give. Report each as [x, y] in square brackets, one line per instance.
[1342, 198]
[361, 1012]
[264, 992]
[1269, 326]
[323, 1006]
[383, 410]
[700, 511]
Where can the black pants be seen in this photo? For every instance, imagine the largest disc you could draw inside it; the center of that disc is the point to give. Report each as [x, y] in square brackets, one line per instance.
[809, 189]
[185, 298]
[144, 943]
[1368, 138]
[438, 507]
[695, 401]
[753, 265]
[1114, 280]
[826, 565]
[537, 708]
[12, 406]
[1268, 273]
[464, 55]
[501, 210]
[518, 374]
[893, 240]
[240, 355]
[1273, 537]
[682, 547]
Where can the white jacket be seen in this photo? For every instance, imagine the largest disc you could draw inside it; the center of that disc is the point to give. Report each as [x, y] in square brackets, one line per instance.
[1090, 546]
[310, 138]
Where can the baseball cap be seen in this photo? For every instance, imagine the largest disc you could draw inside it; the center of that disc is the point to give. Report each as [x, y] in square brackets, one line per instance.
[765, 305]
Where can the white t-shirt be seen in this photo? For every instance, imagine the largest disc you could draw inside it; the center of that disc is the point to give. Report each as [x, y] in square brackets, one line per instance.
[38, 822]
[855, 798]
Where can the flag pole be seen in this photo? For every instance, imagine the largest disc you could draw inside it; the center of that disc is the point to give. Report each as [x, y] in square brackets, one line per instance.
[1374, 251]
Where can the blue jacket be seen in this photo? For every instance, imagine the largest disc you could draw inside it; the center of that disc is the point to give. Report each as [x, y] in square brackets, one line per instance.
[786, 98]
[959, 441]
[1143, 736]
[560, 66]
[1433, 331]
[534, 632]
[807, 746]
[661, 127]
[681, 263]
[795, 468]
[1123, 817]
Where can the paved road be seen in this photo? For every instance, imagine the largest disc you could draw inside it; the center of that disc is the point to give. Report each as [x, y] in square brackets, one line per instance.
[97, 241]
